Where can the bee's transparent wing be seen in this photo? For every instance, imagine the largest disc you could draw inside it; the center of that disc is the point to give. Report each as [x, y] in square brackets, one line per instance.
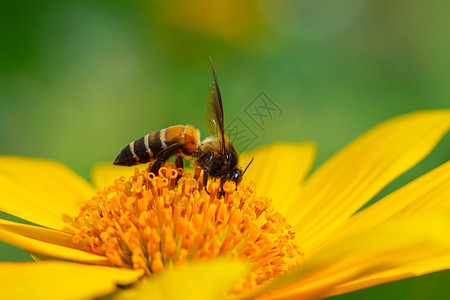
[214, 112]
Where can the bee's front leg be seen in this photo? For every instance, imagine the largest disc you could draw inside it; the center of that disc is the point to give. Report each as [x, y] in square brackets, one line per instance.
[222, 182]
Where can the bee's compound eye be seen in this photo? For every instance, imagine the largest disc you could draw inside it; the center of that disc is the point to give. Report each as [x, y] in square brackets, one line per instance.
[236, 176]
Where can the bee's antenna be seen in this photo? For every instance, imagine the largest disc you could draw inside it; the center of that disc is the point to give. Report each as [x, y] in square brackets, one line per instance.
[248, 165]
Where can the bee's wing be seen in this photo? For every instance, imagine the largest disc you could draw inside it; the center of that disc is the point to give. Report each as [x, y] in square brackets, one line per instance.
[214, 111]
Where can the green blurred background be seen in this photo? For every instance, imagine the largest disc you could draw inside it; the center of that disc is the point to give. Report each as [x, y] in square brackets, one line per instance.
[81, 79]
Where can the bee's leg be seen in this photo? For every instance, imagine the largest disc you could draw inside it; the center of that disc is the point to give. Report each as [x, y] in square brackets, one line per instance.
[208, 159]
[165, 155]
[156, 165]
[222, 182]
[205, 179]
[179, 164]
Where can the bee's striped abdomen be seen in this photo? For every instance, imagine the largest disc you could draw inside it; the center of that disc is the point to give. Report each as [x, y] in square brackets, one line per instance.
[148, 147]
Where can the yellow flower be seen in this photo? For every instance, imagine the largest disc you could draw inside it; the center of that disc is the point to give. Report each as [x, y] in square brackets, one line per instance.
[281, 238]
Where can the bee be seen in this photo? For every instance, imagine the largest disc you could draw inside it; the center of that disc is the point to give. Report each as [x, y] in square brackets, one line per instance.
[216, 155]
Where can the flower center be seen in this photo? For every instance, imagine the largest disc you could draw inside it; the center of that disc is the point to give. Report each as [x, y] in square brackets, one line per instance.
[153, 222]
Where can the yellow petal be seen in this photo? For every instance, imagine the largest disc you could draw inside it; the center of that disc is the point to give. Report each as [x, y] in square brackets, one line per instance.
[389, 246]
[430, 265]
[103, 175]
[61, 280]
[357, 173]
[41, 191]
[427, 192]
[46, 241]
[197, 281]
[279, 170]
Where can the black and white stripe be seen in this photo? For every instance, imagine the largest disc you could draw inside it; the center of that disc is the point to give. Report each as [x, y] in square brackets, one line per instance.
[147, 145]
[143, 149]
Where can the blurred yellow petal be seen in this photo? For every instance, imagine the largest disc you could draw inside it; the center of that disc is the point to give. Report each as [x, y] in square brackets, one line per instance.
[386, 247]
[433, 264]
[103, 175]
[60, 280]
[46, 241]
[41, 191]
[274, 177]
[427, 192]
[197, 281]
[357, 173]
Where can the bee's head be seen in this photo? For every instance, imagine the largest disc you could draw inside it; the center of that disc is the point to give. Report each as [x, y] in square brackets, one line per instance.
[236, 174]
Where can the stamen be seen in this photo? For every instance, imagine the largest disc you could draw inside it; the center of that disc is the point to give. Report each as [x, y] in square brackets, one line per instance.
[151, 223]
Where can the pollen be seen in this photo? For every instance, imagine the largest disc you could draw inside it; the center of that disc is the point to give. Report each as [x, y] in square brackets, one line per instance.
[154, 223]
